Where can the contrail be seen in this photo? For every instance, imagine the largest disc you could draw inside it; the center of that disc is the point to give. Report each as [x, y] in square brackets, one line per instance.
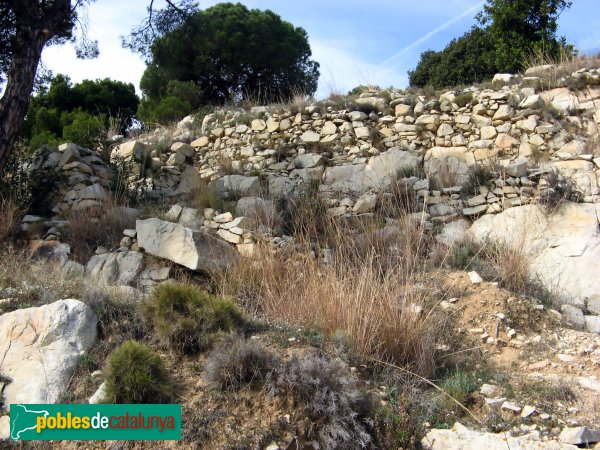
[424, 38]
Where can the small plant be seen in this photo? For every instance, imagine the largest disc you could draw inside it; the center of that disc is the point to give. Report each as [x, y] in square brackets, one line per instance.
[10, 214]
[460, 385]
[478, 176]
[91, 228]
[559, 189]
[395, 424]
[136, 374]
[204, 196]
[187, 319]
[304, 214]
[463, 99]
[330, 395]
[237, 362]
[465, 254]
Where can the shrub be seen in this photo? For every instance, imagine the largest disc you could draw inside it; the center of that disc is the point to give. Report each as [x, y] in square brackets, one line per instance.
[459, 385]
[366, 293]
[478, 176]
[86, 130]
[559, 189]
[304, 214]
[463, 99]
[43, 138]
[330, 395]
[465, 254]
[187, 319]
[10, 214]
[237, 362]
[168, 109]
[136, 374]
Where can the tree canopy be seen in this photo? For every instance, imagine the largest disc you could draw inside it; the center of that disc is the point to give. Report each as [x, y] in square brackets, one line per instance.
[509, 33]
[228, 52]
[78, 112]
[28, 26]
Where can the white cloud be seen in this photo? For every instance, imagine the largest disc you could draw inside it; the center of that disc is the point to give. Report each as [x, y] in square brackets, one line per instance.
[341, 70]
[107, 21]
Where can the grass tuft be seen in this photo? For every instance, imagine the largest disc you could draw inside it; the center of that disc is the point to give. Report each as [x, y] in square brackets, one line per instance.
[188, 320]
[237, 362]
[136, 374]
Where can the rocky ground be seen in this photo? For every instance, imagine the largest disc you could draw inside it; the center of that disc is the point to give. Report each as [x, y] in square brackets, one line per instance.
[487, 197]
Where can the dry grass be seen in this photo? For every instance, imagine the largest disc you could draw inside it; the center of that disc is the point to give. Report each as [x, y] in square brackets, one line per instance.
[562, 67]
[93, 227]
[513, 264]
[444, 178]
[374, 291]
[10, 215]
[31, 283]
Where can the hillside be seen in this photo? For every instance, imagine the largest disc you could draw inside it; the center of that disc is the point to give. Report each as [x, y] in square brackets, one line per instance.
[396, 269]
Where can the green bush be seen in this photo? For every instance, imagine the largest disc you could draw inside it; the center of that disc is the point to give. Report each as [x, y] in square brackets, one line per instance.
[43, 138]
[136, 374]
[187, 319]
[168, 109]
[85, 129]
[79, 112]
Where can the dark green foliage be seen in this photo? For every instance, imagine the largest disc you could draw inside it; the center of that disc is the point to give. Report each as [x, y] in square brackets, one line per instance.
[330, 395]
[167, 109]
[237, 362]
[79, 113]
[136, 374]
[187, 319]
[510, 33]
[463, 61]
[521, 28]
[228, 52]
[85, 129]
[35, 190]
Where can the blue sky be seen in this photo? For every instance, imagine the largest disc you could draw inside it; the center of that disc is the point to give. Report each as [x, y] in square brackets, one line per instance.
[356, 42]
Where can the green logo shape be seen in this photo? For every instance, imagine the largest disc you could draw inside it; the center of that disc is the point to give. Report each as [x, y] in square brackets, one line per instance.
[30, 422]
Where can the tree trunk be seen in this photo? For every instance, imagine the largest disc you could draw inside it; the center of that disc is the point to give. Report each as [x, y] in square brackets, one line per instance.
[21, 76]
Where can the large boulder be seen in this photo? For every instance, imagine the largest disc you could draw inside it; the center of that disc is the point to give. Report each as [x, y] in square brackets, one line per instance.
[119, 269]
[375, 174]
[189, 180]
[41, 347]
[561, 99]
[563, 247]
[193, 249]
[259, 209]
[459, 437]
[449, 162]
[132, 149]
[236, 185]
